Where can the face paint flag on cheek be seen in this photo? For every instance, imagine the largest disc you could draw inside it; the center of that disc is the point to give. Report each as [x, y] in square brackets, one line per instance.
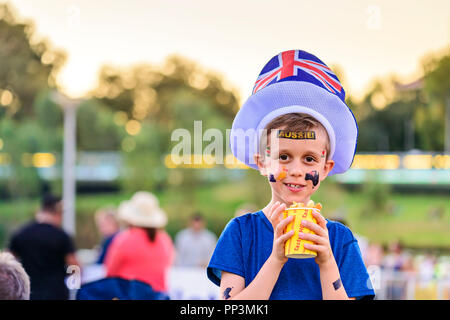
[283, 174]
[313, 176]
[280, 176]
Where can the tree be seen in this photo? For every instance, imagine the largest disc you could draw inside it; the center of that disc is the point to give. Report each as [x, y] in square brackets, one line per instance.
[144, 91]
[437, 91]
[156, 100]
[96, 130]
[437, 80]
[411, 116]
[27, 66]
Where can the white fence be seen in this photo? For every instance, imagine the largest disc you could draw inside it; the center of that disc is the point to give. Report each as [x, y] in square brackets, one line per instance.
[395, 285]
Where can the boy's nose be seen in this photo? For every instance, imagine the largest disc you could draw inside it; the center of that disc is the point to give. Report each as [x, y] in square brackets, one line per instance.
[296, 170]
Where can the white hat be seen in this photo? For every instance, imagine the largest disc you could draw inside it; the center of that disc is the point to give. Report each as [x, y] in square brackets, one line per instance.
[143, 211]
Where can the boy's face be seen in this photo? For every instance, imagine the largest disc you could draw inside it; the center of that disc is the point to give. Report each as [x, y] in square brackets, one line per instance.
[297, 167]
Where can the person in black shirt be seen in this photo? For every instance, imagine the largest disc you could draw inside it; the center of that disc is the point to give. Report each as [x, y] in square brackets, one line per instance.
[44, 250]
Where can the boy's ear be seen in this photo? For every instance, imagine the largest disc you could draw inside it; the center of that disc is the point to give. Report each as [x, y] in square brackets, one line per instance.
[329, 164]
[260, 163]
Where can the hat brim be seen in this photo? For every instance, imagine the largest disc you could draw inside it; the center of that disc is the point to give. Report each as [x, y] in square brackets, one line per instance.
[292, 97]
[129, 214]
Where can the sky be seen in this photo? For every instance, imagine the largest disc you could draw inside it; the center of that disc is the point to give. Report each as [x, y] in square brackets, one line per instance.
[367, 39]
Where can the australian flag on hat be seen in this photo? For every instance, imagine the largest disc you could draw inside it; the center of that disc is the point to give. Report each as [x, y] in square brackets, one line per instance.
[298, 65]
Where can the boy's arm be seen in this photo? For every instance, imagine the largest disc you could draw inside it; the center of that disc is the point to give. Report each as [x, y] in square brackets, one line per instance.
[330, 279]
[232, 286]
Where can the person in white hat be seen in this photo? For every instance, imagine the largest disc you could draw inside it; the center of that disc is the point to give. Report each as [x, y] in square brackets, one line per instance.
[296, 130]
[143, 251]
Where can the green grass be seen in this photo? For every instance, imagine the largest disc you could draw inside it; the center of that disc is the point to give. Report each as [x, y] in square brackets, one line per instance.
[407, 217]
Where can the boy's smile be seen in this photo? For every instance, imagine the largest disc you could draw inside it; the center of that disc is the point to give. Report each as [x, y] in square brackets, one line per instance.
[304, 164]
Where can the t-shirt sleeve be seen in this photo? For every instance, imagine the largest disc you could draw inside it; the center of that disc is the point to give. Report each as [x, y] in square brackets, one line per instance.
[354, 275]
[227, 255]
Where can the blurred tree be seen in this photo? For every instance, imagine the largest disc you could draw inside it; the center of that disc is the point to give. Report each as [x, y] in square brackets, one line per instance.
[96, 130]
[149, 102]
[27, 67]
[145, 91]
[432, 120]
[21, 141]
[47, 113]
[386, 120]
[437, 80]
[400, 117]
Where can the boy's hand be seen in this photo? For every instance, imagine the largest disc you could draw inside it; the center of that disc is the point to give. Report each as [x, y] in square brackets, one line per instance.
[279, 224]
[320, 239]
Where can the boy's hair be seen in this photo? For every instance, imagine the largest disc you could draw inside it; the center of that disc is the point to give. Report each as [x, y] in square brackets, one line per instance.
[294, 122]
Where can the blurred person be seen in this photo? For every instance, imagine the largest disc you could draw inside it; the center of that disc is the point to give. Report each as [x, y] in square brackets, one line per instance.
[397, 259]
[45, 250]
[442, 269]
[426, 270]
[14, 281]
[397, 263]
[375, 255]
[108, 227]
[195, 244]
[143, 251]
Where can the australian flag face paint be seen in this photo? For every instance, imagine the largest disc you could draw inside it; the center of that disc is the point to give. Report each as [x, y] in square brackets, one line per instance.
[313, 176]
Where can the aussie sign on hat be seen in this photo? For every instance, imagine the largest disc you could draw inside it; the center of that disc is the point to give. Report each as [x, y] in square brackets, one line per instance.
[296, 81]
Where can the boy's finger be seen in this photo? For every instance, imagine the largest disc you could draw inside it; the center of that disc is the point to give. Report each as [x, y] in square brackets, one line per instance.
[276, 215]
[314, 247]
[320, 219]
[319, 230]
[282, 225]
[272, 209]
[280, 209]
[312, 237]
[285, 237]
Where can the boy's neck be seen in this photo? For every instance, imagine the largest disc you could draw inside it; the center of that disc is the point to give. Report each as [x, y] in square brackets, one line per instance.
[274, 199]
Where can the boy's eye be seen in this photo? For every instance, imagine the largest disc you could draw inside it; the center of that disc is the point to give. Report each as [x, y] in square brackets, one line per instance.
[284, 157]
[310, 159]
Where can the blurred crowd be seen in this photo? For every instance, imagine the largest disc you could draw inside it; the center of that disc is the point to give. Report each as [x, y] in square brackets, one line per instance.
[427, 266]
[405, 274]
[136, 254]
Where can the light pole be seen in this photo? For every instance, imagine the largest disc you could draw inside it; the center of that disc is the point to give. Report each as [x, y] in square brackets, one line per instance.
[69, 107]
[447, 125]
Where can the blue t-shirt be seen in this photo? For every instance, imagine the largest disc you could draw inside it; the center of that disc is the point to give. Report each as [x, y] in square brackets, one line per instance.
[246, 243]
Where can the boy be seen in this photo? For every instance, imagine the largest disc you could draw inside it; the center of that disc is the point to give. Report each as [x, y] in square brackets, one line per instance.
[301, 131]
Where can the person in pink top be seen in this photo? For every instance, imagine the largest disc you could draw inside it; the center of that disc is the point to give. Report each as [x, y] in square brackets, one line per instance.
[143, 251]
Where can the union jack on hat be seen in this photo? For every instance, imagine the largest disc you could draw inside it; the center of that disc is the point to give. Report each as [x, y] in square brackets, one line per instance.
[296, 81]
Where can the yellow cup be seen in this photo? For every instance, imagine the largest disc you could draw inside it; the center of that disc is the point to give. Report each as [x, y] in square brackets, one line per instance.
[294, 246]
